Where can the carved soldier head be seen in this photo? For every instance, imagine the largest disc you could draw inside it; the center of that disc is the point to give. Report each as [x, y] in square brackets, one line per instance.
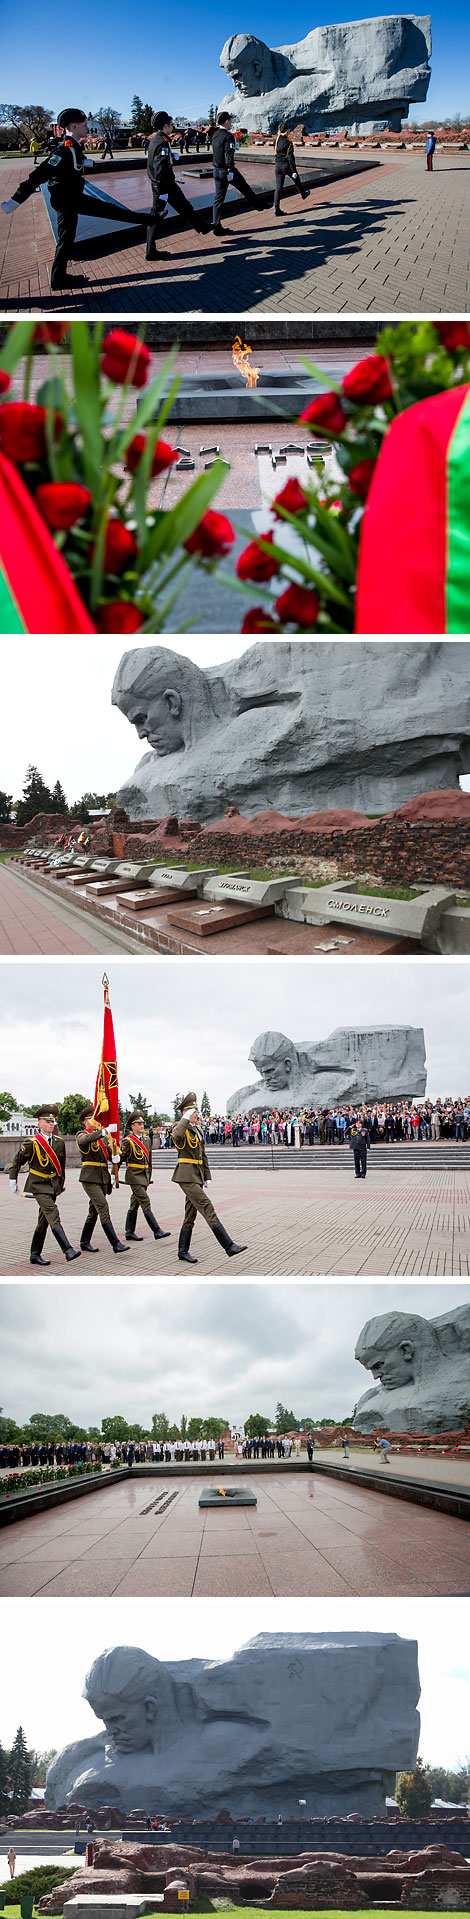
[128, 1689]
[275, 1058]
[166, 697]
[398, 1348]
[249, 63]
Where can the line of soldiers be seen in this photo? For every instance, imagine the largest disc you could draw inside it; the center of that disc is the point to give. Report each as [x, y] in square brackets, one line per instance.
[63, 170]
[45, 1157]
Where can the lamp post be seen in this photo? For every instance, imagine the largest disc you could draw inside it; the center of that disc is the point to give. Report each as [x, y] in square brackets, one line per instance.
[302, 1803]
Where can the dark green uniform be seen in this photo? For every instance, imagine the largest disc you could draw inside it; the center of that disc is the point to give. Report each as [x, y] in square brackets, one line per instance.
[136, 1155]
[44, 1183]
[95, 1177]
[191, 1171]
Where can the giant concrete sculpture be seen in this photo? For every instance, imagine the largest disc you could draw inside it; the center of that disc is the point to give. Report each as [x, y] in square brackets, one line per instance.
[351, 1065]
[423, 1369]
[361, 75]
[296, 725]
[328, 1717]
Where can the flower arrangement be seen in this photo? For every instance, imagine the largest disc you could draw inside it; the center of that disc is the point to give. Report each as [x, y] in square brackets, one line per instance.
[43, 1476]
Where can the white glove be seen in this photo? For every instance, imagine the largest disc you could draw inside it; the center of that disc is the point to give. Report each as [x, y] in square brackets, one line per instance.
[163, 196]
[115, 1159]
[230, 176]
[13, 1186]
[111, 1129]
[206, 1183]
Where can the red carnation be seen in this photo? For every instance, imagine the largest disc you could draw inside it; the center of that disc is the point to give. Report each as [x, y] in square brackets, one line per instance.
[454, 334]
[119, 616]
[326, 414]
[62, 503]
[254, 564]
[213, 535]
[298, 606]
[5, 381]
[359, 478]
[120, 547]
[23, 430]
[292, 498]
[369, 381]
[51, 331]
[258, 621]
[125, 358]
[164, 454]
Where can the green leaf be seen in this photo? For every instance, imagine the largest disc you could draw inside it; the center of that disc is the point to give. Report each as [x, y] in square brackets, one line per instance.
[88, 406]
[19, 339]
[145, 410]
[174, 527]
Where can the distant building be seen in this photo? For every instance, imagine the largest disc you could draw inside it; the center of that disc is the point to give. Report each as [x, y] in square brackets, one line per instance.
[21, 1125]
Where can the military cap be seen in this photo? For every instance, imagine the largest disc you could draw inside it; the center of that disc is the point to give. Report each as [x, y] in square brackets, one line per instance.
[190, 1099]
[134, 1116]
[88, 1112]
[42, 1111]
[68, 114]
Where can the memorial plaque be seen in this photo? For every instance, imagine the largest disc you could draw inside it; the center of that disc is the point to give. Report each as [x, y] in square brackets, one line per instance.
[226, 1496]
[217, 918]
[127, 874]
[239, 888]
[402, 919]
[150, 898]
[179, 879]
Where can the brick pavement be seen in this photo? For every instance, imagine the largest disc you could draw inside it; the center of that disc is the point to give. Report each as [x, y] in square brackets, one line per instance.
[306, 1536]
[412, 1225]
[31, 924]
[391, 241]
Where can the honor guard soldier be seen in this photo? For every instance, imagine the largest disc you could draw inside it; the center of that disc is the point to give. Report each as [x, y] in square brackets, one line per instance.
[94, 1145]
[192, 1173]
[136, 1155]
[359, 1142]
[45, 1157]
[63, 171]
[225, 172]
[164, 186]
[284, 162]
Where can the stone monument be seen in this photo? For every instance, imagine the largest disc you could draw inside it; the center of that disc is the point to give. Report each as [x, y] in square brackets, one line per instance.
[351, 1065]
[296, 726]
[423, 1370]
[327, 1717]
[361, 75]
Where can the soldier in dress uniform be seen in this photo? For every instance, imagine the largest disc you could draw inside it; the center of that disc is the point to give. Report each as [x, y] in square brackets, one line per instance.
[164, 186]
[225, 172]
[284, 162]
[64, 172]
[95, 1146]
[192, 1172]
[136, 1155]
[45, 1157]
[359, 1141]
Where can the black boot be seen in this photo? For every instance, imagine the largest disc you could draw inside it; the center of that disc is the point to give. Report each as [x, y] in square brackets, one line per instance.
[85, 1237]
[156, 1229]
[224, 1240]
[184, 1243]
[37, 1243]
[64, 1243]
[108, 1228]
[129, 1229]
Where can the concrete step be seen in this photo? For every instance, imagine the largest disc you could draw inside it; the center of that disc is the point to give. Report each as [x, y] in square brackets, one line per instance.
[428, 1156]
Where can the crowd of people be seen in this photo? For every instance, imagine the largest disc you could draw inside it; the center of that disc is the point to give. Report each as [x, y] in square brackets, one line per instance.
[385, 1121]
[141, 1452]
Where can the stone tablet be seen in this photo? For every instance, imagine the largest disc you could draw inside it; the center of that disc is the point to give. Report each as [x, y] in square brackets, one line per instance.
[227, 1496]
[415, 919]
[351, 1065]
[361, 75]
[327, 1716]
[217, 918]
[242, 891]
[423, 1371]
[180, 877]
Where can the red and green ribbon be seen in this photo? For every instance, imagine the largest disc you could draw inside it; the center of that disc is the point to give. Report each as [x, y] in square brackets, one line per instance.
[414, 553]
[37, 591]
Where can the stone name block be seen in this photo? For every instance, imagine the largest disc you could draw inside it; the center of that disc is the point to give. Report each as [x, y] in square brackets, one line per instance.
[217, 918]
[406, 919]
[238, 887]
[180, 877]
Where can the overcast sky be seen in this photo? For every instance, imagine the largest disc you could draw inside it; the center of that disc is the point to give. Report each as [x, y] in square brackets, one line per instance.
[226, 1350]
[65, 722]
[70, 1633]
[193, 1022]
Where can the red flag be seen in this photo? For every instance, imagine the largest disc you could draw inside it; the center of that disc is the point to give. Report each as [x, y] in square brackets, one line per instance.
[106, 1107]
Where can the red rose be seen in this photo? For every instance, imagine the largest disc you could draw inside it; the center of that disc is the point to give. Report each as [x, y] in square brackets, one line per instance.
[326, 414]
[292, 497]
[359, 478]
[120, 547]
[258, 621]
[62, 503]
[51, 331]
[253, 564]
[298, 606]
[23, 430]
[119, 616]
[125, 358]
[5, 381]
[454, 334]
[369, 381]
[164, 454]
[213, 535]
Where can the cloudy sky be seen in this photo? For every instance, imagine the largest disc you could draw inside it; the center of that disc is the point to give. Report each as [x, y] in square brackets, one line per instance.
[68, 727]
[224, 1349]
[194, 1022]
[70, 1634]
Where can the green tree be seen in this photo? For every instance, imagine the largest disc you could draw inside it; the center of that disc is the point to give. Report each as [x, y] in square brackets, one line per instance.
[37, 797]
[177, 1098]
[93, 802]
[146, 119]
[137, 1432]
[70, 1111]
[183, 1426]
[256, 1423]
[59, 800]
[413, 1792]
[139, 1104]
[173, 1432]
[41, 1763]
[137, 108]
[285, 1422]
[30, 122]
[115, 1427]
[205, 1106]
[108, 119]
[4, 1774]
[9, 1432]
[8, 1105]
[195, 1428]
[212, 1428]
[20, 1773]
[212, 115]
[44, 1426]
[160, 1427]
[6, 803]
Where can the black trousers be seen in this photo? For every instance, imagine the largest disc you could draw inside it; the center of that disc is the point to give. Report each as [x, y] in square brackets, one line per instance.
[222, 184]
[67, 221]
[181, 205]
[281, 174]
[360, 1165]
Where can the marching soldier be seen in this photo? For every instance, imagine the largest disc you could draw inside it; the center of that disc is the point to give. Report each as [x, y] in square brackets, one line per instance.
[192, 1173]
[64, 171]
[225, 172]
[136, 1155]
[95, 1148]
[284, 162]
[45, 1157]
[163, 184]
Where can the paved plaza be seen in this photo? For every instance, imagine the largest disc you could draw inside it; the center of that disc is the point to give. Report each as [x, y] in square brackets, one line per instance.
[296, 1224]
[307, 1536]
[31, 924]
[392, 240]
